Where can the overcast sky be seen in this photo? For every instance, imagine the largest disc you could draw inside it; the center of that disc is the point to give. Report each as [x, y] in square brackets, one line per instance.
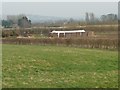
[59, 0]
[59, 9]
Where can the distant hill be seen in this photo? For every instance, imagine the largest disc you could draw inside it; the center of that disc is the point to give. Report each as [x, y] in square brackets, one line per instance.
[41, 19]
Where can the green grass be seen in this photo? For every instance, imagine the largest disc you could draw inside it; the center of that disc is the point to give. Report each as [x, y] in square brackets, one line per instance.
[52, 66]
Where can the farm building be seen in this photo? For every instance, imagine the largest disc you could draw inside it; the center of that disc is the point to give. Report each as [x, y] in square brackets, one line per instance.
[72, 33]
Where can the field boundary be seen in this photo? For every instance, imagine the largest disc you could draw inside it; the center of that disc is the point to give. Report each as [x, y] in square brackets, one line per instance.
[81, 42]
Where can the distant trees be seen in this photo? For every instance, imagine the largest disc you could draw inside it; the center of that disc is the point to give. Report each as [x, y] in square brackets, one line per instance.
[20, 21]
[90, 18]
[7, 23]
[14, 18]
[24, 22]
[109, 18]
[87, 17]
[104, 19]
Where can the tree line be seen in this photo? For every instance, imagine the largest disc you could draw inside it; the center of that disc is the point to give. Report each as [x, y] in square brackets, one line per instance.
[90, 19]
[22, 21]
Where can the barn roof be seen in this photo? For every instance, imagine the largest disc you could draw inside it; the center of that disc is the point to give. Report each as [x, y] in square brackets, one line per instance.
[72, 31]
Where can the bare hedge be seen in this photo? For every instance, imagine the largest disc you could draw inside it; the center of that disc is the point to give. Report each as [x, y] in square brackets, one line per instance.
[81, 42]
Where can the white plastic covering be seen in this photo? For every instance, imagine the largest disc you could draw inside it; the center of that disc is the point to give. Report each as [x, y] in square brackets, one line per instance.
[73, 31]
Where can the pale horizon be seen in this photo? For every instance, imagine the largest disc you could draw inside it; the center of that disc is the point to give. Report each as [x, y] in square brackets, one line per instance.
[59, 9]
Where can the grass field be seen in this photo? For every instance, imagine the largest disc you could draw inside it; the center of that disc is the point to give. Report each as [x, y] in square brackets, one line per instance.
[51, 66]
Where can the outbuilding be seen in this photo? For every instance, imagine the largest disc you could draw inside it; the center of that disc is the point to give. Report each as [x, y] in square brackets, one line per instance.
[71, 33]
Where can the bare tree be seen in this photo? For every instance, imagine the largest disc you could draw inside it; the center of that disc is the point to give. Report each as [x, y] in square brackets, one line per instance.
[87, 17]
